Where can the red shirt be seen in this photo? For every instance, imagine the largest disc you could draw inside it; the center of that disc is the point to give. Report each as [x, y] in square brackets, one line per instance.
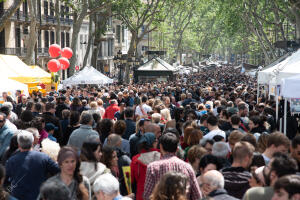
[110, 111]
[138, 168]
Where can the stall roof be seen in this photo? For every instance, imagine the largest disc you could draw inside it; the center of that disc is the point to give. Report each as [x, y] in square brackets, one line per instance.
[157, 64]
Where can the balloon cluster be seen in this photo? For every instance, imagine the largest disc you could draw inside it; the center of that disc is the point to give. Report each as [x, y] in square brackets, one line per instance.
[54, 65]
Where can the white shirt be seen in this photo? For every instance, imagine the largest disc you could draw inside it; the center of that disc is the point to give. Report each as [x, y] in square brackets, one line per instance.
[145, 107]
[11, 125]
[213, 133]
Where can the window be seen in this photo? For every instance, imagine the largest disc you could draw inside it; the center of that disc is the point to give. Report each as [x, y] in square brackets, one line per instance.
[46, 39]
[51, 9]
[123, 34]
[39, 39]
[45, 8]
[25, 9]
[62, 39]
[67, 12]
[52, 37]
[18, 37]
[25, 30]
[62, 11]
[118, 33]
[68, 39]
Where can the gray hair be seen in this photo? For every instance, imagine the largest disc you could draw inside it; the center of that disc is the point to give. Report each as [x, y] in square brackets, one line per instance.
[156, 117]
[9, 105]
[106, 183]
[214, 178]
[114, 140]
[85, 118]
[34, 131]
[25, 139]
[220, 149]
[54, 190]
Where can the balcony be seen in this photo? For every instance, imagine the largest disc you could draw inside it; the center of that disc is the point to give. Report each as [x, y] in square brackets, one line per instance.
[19, 16]
[21, 51]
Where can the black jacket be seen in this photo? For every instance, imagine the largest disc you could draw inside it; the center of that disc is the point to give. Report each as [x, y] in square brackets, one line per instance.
[130, 128]
[221, 194]
[50, 118]
[123, 160]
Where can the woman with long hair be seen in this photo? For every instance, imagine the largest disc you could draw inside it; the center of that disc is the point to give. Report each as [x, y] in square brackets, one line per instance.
[110, 159]
[91, 153]
[69, 163]
[172, 186]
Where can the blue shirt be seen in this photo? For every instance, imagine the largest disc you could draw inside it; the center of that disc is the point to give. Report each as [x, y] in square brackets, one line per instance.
[26, 171]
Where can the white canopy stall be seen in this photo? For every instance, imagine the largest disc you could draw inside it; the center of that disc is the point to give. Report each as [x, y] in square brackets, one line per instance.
[11, 86]
[89, 75]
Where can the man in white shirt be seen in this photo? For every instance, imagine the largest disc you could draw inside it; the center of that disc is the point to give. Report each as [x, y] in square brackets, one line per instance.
[143, 109]
[212, 125]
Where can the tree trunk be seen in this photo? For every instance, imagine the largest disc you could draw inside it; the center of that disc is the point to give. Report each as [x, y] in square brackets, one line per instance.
[78, 19]
[89, 42]
[130, 53]
[57, 17]
[31, 41]
[9, 13]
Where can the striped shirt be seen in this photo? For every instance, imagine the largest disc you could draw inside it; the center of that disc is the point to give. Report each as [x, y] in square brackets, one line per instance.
[170, 162]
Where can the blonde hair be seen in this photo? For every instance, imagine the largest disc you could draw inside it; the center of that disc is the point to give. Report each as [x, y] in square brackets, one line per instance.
[93, 104]
[166, 114]
[50, 148]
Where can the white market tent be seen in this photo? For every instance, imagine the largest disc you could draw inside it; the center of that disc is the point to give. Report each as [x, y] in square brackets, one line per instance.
[157, 64]
[286, 68]
[89, 75]
[11, 86]
[291, 87]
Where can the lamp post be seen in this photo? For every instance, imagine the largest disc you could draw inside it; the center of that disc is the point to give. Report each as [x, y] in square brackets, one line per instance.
[118, 62]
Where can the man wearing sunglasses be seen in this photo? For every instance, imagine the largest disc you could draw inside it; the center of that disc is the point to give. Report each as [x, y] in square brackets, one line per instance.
[5, 134]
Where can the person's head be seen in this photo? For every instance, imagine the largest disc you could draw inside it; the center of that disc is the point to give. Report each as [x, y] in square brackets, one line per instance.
[209, 162]
[148, 141]
[2, 119]
[38, 107]
[254, 122]
[50, 148]
[243, 109]
[212, 180]
[141, 124]
[220, 149]
[172, 186]
[234, 137]
[50, 107]
[91, 150]
[195, 154]
[295, 148]
[25, 140]
[6, 111]
[212, 122]
[280, 165]
[106, 187]
[114, 140]
[203, 120]
[278, 142]
[24, 99]
[168, 143]
[242, 154]
[208, 144]
[86, 118]
[194, 137]
[74, 118]
[235, 120]
[66, 114]
[156, 117]
[68, 161]
[120, 127]
[165, 113]
[262, 142]
[50, 128]
[251, 139]
[287, 188]
[35, 134]
[144, 99]
[128, 113]
[93, 105]
[109, 156]
[153, 128]
[54, 190]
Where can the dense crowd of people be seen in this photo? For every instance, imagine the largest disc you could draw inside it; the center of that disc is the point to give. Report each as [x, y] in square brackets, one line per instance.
[204, 136]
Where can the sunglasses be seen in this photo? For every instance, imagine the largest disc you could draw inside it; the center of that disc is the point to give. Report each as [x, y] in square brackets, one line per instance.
[1, 121]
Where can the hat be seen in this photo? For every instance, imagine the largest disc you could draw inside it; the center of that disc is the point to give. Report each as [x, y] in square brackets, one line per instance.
[50, 127]
[232, 110]
[148, 138]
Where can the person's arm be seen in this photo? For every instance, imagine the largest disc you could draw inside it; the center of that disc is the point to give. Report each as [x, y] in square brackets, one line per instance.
[149, 183]
[51, 166]
[195, 192]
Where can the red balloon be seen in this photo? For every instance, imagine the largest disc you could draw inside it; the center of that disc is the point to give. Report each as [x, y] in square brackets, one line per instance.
[76, 67]
[67, 52]
[54, 50]
[64, 63]
[53, 65]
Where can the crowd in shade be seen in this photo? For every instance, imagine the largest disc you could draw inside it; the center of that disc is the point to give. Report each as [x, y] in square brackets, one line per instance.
[204, 136]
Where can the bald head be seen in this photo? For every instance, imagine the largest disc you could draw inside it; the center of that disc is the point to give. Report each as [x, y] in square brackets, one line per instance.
[214, 178]
[153, 128]
[114, 140]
